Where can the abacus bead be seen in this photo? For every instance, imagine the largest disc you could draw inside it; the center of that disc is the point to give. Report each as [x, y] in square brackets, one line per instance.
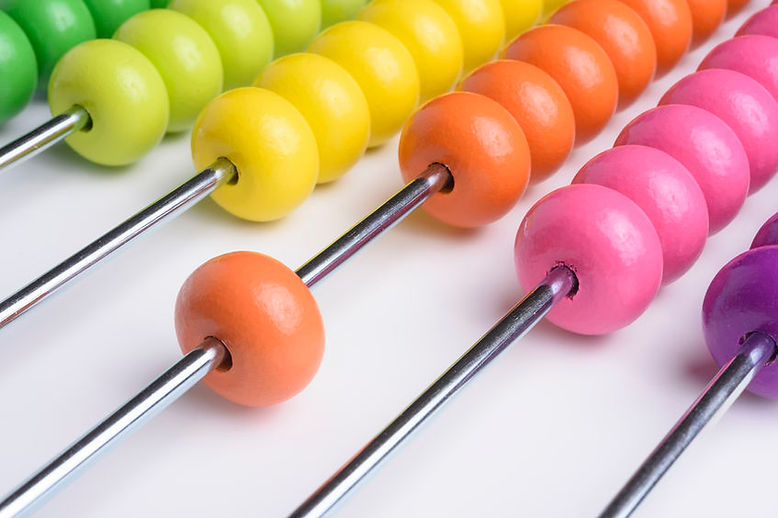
[481, 25]
[706, 146]
[707, 15]
[185, 56]
[733, 6]
[745, 105]
[608, 242]
[159, 4]
[753, 55]
[294, 23]
[550, 6]
[53, 27]
[764, 22]
[269, 143]
[670, 23]
[382, 67]
[520, 15]
[264, 315]
[768, 234]
[336, 11]
[429, 34]
[581, 68]
[219, 18]
[622, 34]
[667, 193]
[538, 104]
[108, 15]
[17, 68]
[123, 94]
[741, 300]
[484, 149]
[332, 104]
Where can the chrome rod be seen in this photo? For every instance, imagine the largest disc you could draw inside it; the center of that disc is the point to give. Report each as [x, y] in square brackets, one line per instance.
[721, 392]
[559, 283]
[171, 205]
[43, 137]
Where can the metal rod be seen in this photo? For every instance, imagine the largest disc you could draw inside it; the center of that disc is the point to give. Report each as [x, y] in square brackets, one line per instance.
[721, 392]
[177, 201]
[143, 407]
[434, 179]
[559, 283]
[44, 136]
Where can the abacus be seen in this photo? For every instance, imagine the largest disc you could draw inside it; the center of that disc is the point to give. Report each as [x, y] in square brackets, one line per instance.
[655, 250]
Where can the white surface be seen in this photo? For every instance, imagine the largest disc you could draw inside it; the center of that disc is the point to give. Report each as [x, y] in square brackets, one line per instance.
[552, 429]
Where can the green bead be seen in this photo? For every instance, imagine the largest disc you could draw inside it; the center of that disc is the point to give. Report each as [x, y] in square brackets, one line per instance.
[294, 23]
[123, 94]
[159, 4]
[241, 32]
[17, 68]
[53, 27]
[185, 56]
[335, 11]
[110, 14]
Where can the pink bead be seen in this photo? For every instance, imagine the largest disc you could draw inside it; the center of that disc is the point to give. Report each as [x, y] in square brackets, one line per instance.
[764, 22]
[706, 146]
[665, 190]
[607, 241]
[745, 105]
[755, 56]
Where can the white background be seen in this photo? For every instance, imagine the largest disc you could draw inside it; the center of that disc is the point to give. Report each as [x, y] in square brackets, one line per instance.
[552, 429]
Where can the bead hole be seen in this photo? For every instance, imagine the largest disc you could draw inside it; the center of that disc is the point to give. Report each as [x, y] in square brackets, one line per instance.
[449, 185]
[226, 363]
[87, 127]
[234, 178]
[576, 283]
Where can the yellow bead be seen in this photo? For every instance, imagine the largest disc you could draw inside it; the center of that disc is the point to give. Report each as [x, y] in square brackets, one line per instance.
[429, 34]
[332, 104]
[123, 94]
[520, 15]
[552, 5]
[382, 67]
[481, 25]
[270, 144]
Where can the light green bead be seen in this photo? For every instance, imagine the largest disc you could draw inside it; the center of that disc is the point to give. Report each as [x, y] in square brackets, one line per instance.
[334, 11]
[294, 22]
[241, 32]
[123, 94]
[185, 56]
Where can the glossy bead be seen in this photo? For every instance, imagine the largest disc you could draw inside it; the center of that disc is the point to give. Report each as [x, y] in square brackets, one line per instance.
[219, 18]
[266, 318]
[608, 242]
[670, 23]
[185, 56]
[707, 15]
[733, 6]
[520, 15]
[382, 67]
[336, 11]
[706, 146]
[764, 22]
[484, 149]
[768, 234]
[294, 23]
[622, 34]
[667, 193]
[159, 4]
[332, 104]
[745, 105]
[741, 300]
[481, 25]
[123, 94]
[53, 27]
[18, 68]
[108, 15]
[581, 68]
[429, 34]
[753, 55]
[538, 104]
[270, 144]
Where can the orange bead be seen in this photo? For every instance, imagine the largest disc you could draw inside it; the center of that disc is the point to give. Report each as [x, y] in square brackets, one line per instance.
[670, 22]
[538, 104]
[581, 68]
[622, 34]
[483, 147]
[707, 15]
[264, 315]
[733, 6]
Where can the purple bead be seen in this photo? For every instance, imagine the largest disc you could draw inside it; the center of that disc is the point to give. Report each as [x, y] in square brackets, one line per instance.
[768, 234]
[743, 298]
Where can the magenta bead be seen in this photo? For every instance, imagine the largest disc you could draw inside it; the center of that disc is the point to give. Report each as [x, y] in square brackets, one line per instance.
[755, 56]
[763, 22]
[745, 105]
[767, 235]
[706, 146]
[607, 241]
[742, 299]
[665, 190]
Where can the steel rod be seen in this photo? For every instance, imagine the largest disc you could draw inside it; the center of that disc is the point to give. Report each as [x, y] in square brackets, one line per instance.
[733, 378]
[560, 282]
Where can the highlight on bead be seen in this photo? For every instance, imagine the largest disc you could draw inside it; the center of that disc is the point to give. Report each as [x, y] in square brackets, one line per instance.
[670, 23]
[481, 25]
